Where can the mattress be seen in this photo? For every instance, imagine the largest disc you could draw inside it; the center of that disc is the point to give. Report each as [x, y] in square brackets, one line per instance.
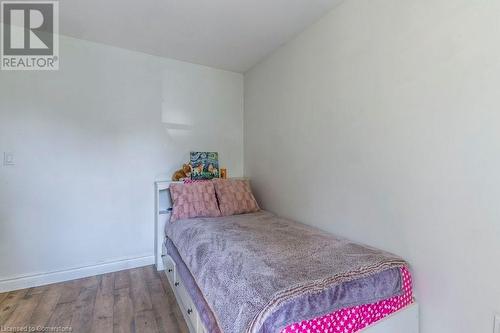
[345, 320]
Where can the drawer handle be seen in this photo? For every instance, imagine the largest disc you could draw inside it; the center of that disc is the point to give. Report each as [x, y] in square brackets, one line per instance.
[190, 311]
[170, 270]
[176, 284]
[163, 256]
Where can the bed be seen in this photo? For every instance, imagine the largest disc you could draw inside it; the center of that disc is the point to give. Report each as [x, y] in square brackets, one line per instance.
[260, 273]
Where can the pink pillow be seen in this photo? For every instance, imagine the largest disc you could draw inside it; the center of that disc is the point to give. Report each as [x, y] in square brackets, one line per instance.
[193, 200]
[235, 196]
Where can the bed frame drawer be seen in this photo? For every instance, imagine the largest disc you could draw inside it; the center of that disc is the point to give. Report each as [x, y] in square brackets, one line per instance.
[185, 298]
[170, 269]
[189, 311]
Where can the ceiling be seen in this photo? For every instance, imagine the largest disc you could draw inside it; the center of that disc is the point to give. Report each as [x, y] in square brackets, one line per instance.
[227, 34]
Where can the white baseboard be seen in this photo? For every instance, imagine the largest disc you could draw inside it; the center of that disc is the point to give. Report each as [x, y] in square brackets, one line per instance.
[35, 280]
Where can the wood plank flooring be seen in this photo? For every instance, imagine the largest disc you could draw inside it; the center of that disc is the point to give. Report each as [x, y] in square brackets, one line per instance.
[131, 301]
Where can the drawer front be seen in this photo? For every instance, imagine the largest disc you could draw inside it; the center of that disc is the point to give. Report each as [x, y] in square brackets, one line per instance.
[201, 328]
[183, 295]
[186, 305]
[184, 300]
[170, 270]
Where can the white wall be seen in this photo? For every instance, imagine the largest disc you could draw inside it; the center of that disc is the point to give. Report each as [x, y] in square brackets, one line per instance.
[89, 141]
[381, 123]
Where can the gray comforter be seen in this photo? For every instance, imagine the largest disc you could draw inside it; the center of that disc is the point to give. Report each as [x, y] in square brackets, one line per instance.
[260, 273]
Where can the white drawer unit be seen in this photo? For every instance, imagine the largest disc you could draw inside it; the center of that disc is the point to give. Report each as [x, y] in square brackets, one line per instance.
[184, 296]
[169, 269]
[189, 311]
[169, 266]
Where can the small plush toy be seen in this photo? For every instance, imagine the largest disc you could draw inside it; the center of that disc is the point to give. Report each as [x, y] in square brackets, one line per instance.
[185, 172]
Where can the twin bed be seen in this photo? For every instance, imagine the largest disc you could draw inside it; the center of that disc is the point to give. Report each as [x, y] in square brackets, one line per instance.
[259, 273]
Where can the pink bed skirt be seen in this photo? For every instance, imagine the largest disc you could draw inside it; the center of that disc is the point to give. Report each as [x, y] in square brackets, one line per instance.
[354, 319]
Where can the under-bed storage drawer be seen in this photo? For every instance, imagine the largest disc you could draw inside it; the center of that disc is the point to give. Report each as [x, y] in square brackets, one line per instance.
[201, 328]
[186, 305]
[169, 265]
[183, 297]
[170, 270]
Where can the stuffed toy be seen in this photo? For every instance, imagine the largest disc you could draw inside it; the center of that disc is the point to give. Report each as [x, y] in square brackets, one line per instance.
[183, 173]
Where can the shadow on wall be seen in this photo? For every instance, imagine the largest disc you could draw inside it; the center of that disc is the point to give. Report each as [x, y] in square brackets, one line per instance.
[202, 112]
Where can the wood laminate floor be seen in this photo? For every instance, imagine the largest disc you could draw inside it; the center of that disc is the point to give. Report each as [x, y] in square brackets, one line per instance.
[137, 300]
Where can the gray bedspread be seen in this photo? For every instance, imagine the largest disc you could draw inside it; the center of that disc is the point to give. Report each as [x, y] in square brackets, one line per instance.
[260, 273]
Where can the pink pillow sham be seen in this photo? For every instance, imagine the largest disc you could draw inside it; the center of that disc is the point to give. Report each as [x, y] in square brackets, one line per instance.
[193, 200]
[235, 196]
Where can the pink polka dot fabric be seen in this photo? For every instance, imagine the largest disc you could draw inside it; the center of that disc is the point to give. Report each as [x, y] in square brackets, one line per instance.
[354, 319]
[192, 181]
